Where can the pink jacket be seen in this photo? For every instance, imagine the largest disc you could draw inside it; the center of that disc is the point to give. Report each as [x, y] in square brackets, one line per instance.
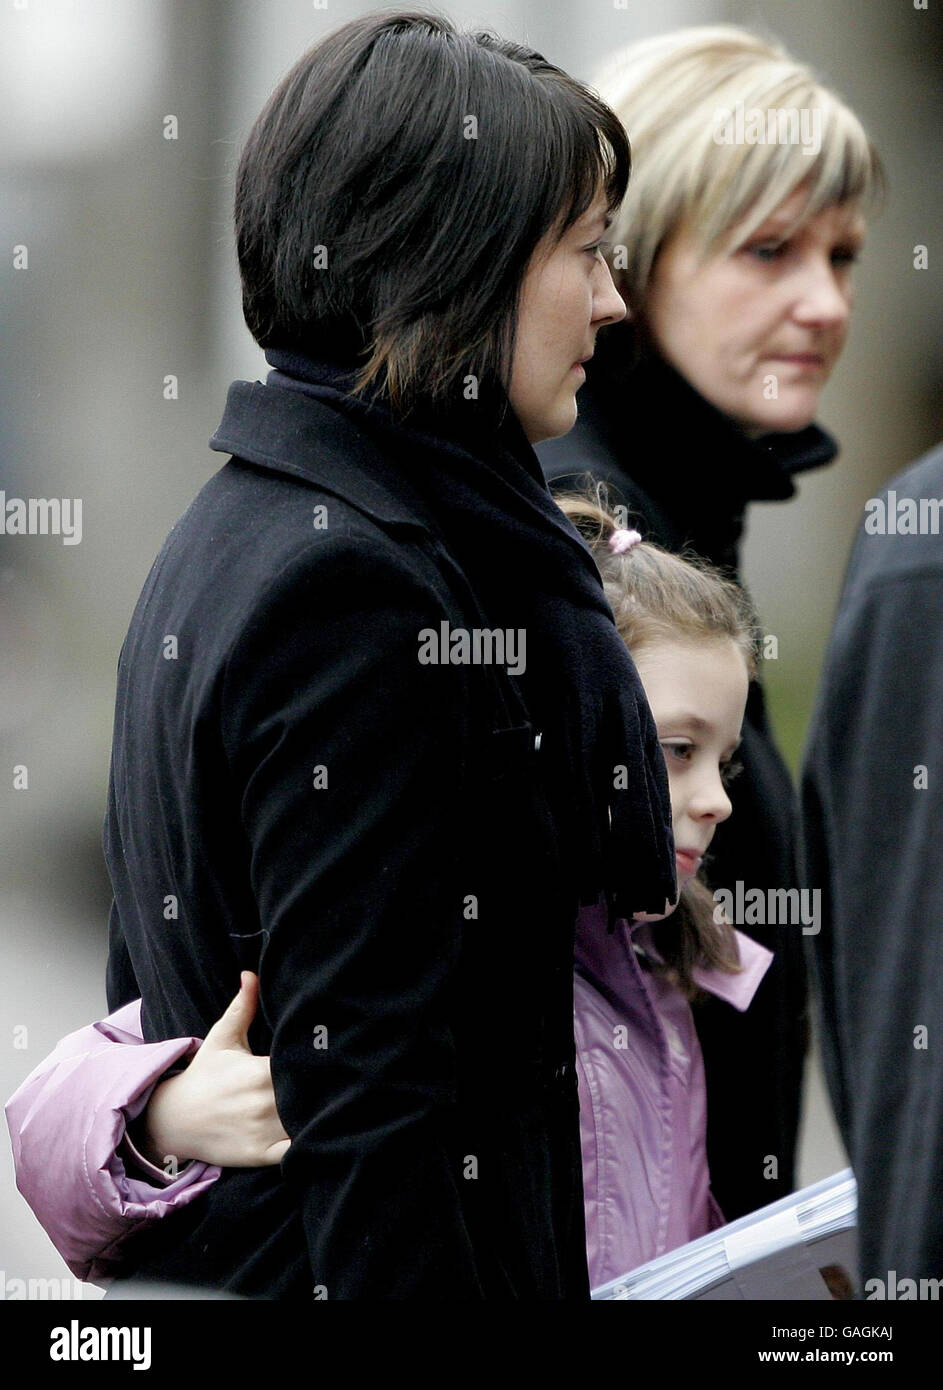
[642, 1116]
[67, 1122]
[643, 1102]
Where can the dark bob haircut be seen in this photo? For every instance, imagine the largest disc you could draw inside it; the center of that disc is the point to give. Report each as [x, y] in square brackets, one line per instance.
[393, 190]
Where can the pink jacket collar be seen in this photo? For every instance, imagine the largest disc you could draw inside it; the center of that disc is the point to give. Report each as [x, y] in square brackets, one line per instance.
[737, 990]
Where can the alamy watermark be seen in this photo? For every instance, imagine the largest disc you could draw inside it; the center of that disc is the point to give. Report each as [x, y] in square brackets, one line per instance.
[893, 1289]
[97, 1343]
[476, 646]
[16, 1290]
[902, 516]
[770, 907]
[42, 516]
[769, 125]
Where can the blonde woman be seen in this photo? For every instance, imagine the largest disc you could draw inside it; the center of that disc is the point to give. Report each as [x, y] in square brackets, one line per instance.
[733, 248]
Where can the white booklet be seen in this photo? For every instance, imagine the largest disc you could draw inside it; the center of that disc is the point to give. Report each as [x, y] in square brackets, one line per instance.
[802, 1247]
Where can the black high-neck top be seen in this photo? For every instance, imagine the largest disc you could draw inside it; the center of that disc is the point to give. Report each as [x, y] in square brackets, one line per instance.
[686, 468]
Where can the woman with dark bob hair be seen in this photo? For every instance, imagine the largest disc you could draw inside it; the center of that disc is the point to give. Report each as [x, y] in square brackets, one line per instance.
[377, 739]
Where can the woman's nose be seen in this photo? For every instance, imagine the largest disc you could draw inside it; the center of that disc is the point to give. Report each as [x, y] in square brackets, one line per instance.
[608, 304]
[823, 301]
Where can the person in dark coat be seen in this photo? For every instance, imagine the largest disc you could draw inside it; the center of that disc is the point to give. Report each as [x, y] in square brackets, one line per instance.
[871, 815]
[734, 259]
[372, 694]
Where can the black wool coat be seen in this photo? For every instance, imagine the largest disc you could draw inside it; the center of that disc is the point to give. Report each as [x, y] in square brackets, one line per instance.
[293, 792]
[687, 474]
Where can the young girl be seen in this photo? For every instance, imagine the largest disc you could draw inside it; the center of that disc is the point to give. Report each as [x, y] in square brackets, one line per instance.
[640, 1072]
[643, 1115]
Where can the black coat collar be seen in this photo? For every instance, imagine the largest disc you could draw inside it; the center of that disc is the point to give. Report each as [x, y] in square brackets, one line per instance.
[289, 432]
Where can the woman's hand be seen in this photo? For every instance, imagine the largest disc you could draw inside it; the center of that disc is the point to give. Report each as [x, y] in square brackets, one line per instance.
[220, 1110]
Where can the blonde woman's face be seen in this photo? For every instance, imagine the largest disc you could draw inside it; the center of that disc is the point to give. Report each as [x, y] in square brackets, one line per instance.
[758, 331]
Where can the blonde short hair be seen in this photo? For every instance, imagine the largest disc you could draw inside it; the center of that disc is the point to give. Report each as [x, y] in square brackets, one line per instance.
[668, 92]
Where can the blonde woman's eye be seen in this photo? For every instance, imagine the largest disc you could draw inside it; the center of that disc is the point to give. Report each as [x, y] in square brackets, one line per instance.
[845, 255]
[729, 770]
[766, 251]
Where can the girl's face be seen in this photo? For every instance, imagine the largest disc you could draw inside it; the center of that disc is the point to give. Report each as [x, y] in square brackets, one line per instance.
[567, 296]
[758, 331]
[698, 693]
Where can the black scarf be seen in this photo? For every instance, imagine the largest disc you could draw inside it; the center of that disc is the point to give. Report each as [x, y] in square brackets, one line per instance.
[529, 568]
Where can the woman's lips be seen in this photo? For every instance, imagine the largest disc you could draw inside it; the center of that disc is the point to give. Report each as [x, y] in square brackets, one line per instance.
[809, 360]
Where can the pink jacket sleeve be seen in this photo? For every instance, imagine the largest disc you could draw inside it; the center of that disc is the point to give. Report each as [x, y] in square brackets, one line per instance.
[67, 1123]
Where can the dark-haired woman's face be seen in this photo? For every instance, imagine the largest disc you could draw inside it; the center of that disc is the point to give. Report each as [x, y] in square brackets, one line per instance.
[568, 295]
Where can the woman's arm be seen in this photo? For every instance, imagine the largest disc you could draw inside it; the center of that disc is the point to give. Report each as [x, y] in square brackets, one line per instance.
[88, 1186]
[358, 887]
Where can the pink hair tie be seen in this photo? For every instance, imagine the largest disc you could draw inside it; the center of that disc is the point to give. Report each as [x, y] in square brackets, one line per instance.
[620, 541]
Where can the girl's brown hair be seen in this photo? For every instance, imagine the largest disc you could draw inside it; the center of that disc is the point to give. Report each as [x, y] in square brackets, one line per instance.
[658, 596]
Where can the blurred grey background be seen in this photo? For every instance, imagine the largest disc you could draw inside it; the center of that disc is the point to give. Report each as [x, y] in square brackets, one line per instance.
[130, 281]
